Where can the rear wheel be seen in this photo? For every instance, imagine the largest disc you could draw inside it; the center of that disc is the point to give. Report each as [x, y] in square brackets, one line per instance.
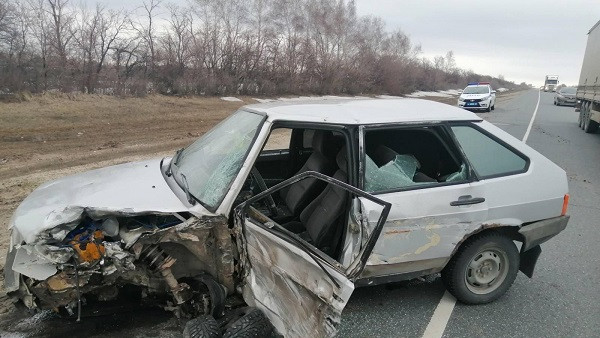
[583, 115]
[482, 269]
[589, 125]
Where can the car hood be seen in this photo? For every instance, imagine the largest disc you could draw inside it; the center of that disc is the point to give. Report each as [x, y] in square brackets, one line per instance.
[126, 189]
[473, 96]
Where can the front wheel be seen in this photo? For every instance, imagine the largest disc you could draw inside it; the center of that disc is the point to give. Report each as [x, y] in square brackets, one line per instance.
[482, 269]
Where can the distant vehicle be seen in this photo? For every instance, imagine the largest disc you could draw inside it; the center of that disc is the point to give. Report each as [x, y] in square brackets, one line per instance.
[478, 96]
[550, 83]
[565, 96]
[588, 91]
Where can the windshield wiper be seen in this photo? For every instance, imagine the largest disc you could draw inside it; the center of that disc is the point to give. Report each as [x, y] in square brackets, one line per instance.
[186, 188]
[174, 160]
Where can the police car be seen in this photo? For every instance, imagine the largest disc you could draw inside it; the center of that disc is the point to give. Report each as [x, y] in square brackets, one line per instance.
[478, 96]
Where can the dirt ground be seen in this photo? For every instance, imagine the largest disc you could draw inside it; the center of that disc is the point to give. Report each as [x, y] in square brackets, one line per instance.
[53, 135]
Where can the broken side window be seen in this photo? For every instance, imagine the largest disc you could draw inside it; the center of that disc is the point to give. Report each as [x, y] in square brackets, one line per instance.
[399, 158]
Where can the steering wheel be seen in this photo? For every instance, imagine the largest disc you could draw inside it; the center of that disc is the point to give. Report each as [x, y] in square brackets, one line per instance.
[270, 202]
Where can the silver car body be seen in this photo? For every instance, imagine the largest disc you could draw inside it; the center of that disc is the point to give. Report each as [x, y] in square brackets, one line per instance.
[418, 236]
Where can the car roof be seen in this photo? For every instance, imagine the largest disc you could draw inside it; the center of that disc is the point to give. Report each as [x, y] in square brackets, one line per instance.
[361, 111]
[479, 85]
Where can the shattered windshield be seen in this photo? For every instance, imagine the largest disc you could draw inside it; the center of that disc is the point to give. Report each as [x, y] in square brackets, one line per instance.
[207, 167]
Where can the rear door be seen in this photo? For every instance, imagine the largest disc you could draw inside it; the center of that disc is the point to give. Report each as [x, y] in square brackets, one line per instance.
[300, 289]
[429, 217]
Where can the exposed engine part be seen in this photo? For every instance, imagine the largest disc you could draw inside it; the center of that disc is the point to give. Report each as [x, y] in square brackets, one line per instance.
[160, 261]
[89, 248]
[110, 227]
[86, 240]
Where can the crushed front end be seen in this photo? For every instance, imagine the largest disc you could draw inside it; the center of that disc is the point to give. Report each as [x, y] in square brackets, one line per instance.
[177, 261]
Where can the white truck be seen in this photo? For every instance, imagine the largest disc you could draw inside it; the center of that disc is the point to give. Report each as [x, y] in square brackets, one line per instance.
[550, 83]
[588, 90]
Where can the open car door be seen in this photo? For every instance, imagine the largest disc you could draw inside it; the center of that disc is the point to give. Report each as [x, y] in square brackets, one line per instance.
[299, 288]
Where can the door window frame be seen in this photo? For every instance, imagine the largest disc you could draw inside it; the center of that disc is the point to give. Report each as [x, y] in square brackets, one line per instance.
[353, 270]
[456, 153]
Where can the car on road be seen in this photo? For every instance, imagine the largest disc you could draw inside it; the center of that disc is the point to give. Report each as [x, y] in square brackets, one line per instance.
[565, 96]
[283, 208]
[478, 96]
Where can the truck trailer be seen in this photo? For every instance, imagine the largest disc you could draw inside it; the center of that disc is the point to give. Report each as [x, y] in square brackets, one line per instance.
[550, 83]
[588, 90]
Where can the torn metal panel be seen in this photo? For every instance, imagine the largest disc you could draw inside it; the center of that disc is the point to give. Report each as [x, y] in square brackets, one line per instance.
[199, 244]
[126, 189]
[290, 288]
[32, 264]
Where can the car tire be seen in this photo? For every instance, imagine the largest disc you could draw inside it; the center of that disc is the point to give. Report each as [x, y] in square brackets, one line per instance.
[202, 327]
[248, 322]
[580, 119]
[482, 269]
[583, 115]
[494, 106]
[590, 126]
[489, 109]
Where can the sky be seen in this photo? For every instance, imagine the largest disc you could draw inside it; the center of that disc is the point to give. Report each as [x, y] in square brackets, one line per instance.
[523, 40]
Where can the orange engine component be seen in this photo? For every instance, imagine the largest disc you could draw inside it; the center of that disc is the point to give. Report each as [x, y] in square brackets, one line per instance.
[90, 251]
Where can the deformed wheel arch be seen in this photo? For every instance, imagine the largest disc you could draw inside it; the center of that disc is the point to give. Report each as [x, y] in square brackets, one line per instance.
[528, 259]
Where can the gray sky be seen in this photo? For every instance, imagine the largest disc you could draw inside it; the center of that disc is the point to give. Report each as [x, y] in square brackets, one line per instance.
[522, 40]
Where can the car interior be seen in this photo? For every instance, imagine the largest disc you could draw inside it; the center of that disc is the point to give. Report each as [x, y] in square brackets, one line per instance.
[317, 211]
[405, 157]
[310, 208]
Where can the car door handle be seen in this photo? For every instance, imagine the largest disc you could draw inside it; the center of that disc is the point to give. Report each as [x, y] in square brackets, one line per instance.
[467, 200]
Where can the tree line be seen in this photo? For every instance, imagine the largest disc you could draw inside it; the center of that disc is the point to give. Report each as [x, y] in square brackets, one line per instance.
[214, 47]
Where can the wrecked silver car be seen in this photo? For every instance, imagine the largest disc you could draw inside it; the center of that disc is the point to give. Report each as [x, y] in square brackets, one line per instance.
[284, 202]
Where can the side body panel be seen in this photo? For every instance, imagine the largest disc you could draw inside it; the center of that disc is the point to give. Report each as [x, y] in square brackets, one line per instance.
[589, 79]
[423, 229]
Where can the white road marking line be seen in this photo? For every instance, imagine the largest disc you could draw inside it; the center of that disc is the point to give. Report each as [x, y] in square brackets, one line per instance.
[443, 311]
[441, 315]
[532, 118]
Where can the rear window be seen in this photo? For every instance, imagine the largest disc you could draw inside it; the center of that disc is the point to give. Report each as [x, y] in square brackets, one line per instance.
[569, 90]
[489, 157]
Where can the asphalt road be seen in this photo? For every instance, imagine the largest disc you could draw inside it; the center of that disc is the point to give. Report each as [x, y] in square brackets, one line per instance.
[561, 300]
[563, 297]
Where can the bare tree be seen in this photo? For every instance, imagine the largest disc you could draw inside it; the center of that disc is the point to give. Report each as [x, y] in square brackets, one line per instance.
[147, 31]
[214, 47]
